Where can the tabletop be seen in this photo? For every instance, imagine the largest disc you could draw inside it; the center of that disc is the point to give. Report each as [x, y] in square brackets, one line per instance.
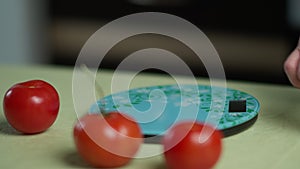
[272, 142]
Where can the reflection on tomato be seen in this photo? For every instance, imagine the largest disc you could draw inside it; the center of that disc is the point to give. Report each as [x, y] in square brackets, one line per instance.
[31, 106]
[109, 140]
[185, 148]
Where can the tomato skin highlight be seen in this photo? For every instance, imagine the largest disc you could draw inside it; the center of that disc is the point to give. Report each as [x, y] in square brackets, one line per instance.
[111, 140]
[32, 106]
[183, 149]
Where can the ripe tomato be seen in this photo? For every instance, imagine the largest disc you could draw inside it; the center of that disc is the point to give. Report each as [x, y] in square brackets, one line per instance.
[109, 140]
[32, 106]
[192, 145]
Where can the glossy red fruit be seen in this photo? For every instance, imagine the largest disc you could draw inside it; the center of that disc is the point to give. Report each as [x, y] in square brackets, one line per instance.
[188, 145]
[32, 106]
[109, 140]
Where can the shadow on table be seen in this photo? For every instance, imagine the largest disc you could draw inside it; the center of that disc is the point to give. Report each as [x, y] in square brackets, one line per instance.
[73, 159]
[160, 166]
[6, 129]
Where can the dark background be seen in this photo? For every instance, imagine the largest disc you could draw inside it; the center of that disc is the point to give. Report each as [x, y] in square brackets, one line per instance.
[253, 38]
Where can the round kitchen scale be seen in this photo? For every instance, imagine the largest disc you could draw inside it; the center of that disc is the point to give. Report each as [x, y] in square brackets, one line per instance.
[157, 108]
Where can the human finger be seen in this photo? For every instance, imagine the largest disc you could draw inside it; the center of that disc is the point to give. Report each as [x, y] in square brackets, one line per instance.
[291, 67]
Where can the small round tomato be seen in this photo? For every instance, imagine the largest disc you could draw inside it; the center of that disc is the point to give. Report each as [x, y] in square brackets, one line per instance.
[192, 145]
[109, 140]
[32, 106]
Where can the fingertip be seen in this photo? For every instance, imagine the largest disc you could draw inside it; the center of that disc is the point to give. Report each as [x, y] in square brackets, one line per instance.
[290, 64]
[298, 66]
[292, 67]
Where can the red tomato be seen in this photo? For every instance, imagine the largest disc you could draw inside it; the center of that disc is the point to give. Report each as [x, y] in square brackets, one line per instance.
[32, 106]
[185, 148]
[109, 140]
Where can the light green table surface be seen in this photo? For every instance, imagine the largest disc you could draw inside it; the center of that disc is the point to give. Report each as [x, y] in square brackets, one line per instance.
[272, 142]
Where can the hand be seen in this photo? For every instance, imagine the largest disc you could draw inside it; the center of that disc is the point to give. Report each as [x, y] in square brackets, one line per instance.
[292, 67]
